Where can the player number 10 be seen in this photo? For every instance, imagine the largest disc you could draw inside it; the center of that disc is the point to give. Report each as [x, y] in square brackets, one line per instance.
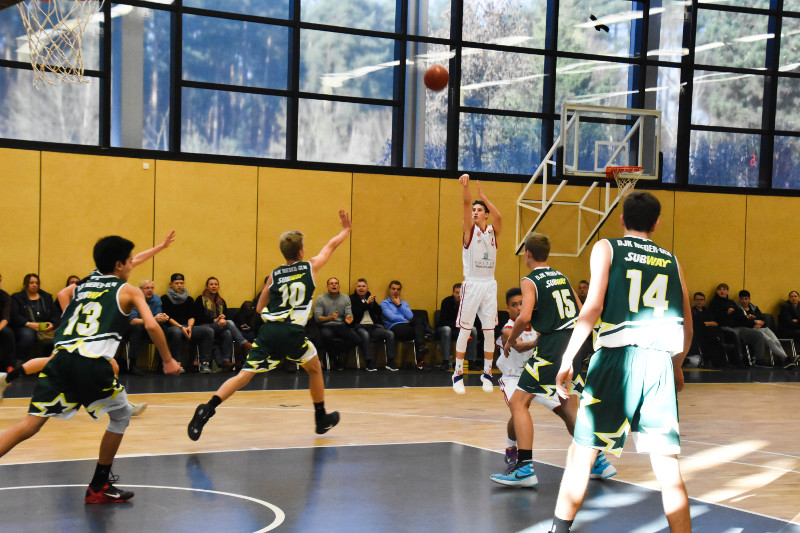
[655, 296]
[293, 293]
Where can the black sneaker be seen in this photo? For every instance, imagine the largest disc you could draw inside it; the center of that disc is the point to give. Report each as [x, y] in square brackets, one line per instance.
[390, 366]
[108, 493]
[327, 421]
[201, 416]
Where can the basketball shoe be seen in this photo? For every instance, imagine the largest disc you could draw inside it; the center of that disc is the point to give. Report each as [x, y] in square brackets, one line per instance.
[3, 384]
[458, 384]
[486, 382]
[201, 416]
[519, 476]
[108, 493]
[511, 456]
[602, 469]
[327, 421]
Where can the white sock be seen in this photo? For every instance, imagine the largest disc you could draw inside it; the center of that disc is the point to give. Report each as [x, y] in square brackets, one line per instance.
[510, 443]
[487, 366]
[459, 366]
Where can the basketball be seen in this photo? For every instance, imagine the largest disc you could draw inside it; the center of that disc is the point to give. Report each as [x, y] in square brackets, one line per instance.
[436, 78]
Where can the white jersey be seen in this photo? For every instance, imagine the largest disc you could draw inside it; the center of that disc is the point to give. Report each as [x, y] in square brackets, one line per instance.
[513, 365]
[480, 254]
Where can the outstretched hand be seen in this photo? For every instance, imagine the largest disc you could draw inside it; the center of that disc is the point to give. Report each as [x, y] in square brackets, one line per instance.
[169, 239]
[464, 180]
[344, 217]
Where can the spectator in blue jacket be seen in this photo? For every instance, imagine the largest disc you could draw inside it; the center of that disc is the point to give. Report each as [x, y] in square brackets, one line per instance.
[137, 334]
[398, 318]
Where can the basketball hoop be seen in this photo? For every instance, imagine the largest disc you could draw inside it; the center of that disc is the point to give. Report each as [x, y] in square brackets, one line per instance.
[626, 178]
[55, 30]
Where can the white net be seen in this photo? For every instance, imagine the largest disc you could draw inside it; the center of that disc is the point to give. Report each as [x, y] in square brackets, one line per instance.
[626, 178]
[55, 30]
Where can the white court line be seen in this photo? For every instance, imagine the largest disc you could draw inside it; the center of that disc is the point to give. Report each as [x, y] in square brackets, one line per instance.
[280, 516]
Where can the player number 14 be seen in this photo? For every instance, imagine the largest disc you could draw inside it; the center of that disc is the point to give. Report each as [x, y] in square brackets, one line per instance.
[655, 296]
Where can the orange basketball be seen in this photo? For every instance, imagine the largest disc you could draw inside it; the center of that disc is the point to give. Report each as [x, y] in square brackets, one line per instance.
[436, 78]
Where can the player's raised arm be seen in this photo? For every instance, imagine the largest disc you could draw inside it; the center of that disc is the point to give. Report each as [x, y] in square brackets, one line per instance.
[467, 200]
[497, 219]
[141, 257]
[136, 297]
[319, 260]
[600, 263]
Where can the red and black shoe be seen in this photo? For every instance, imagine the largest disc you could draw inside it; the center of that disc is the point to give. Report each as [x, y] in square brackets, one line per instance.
[108, 493]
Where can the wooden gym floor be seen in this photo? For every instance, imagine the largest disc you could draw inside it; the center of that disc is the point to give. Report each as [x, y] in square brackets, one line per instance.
[409, 455]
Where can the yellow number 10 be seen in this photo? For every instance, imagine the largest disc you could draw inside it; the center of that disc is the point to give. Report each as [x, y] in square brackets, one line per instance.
[655, 296]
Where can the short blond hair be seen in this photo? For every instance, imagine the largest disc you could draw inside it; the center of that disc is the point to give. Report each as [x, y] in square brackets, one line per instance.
[291, 243]
[538, 244]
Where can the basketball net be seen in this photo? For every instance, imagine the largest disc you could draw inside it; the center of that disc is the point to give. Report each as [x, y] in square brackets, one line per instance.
[626, 178]
[55, 30]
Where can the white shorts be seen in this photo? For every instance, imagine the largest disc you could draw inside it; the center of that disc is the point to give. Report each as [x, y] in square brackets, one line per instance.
[508, 384]
[478, 298]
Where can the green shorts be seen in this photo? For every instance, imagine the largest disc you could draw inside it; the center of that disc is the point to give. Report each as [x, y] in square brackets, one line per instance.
[277, 341]
[629, 389]
[539, 374]
[70, 380]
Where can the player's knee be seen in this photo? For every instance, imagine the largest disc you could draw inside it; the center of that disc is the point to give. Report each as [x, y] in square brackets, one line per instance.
[119, 419]
[463, 340]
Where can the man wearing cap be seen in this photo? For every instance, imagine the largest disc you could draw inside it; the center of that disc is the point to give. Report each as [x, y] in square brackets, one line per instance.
[180, 327]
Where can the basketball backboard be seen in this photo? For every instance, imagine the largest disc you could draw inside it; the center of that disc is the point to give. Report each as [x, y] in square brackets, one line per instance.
[594, 138]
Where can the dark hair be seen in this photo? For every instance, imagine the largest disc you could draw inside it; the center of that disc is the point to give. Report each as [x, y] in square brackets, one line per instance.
[510, 293]
[70, 277]
[361, 279]
[395, 282]
[640, 211]
[108, 250]
[456, 286]
[744, 294]
[797, 293]
[481, 202]
[583, 281]
[538, 244]
[723, 286]
[698, 293]
[209, 279]
[27, 278]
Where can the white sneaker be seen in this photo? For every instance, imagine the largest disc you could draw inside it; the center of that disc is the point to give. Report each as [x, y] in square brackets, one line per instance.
[138, 408]
[3, 384]
[458, 384]
[486, 382]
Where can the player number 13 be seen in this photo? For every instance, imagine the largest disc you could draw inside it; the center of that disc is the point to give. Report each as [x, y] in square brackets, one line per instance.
[655, 296]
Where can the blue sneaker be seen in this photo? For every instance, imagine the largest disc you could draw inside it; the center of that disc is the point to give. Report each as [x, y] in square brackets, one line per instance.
[602, 469]
[521, 476]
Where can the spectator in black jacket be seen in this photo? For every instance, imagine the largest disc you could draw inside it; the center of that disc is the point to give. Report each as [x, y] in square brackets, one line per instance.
[754, 318]
[180, 325]
[448, 313]
[789, 321]
[7, 344]
[368, 324]
[34, 317]
[727, 314]
[707, 335]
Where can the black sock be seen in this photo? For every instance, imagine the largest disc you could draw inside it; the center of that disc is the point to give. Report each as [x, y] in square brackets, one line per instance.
[319, 410]
[16, 373]
[560, 526]
[524, 456]
[100, 478]
[214, 402]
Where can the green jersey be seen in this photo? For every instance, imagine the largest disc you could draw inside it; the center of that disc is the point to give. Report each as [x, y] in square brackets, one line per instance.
[555, 312]
[290, 294]
[93, 322]
[644, 300]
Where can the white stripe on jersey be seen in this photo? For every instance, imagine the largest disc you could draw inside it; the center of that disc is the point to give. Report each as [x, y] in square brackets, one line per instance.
[479, 255]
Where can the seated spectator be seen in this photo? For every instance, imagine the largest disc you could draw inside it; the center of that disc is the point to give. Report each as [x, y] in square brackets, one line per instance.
[707, 335]
[211, 309]
[368, 324]
[7, 344]
[34, 317]
[755, 317]
[70, 280]
[333, 314]
[583, 290]
[728, 315]
[248, 319]
[789, 322]
[400, 320]
[137, 334]
[180, 326]
[448, 313]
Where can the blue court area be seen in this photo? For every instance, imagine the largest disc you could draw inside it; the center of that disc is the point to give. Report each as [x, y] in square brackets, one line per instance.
[433, 487]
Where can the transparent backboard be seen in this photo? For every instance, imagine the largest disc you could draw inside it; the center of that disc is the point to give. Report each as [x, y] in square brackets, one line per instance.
[596, 137]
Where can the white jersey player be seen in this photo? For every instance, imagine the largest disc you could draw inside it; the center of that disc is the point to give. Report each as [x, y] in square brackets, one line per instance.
[479, 289]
